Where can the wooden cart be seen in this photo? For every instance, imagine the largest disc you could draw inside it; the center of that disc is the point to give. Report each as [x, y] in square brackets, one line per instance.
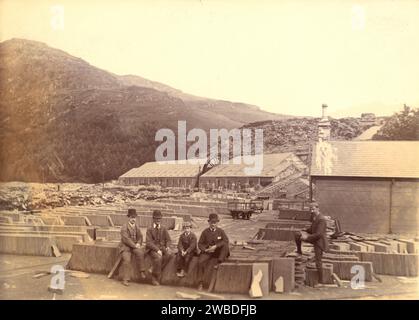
[244, 209]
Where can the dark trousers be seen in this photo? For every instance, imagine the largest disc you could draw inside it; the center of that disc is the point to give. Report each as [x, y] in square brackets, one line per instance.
[159, 262]
[220, 254]
[318, 254]
[182, 262]
[126, 262]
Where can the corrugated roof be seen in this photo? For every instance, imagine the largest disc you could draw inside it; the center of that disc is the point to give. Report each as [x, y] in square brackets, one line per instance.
[171, 169]
[392, 159]
[273, 164]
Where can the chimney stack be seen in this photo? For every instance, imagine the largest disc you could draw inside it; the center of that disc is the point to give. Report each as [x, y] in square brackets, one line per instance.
[324, 126]
[324, 109]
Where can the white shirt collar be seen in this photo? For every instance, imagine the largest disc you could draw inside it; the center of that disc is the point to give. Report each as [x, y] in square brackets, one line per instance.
[156, 226]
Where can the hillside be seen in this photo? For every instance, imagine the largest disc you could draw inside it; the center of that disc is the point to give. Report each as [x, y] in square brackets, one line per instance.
[233, 111]
[299, 133]
[62, 119]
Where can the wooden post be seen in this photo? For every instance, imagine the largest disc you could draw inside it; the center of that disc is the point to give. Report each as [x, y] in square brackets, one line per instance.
[115, 266]
[310, 151]
[390, 206]
[311, 189]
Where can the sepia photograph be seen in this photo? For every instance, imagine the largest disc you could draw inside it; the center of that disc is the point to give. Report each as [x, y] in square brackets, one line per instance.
[209, 150]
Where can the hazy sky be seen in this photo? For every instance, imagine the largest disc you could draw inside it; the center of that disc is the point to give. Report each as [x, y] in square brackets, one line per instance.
[284, 56]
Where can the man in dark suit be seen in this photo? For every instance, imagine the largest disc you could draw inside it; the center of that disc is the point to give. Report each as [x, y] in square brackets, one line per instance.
[316, 235]
[213, 244]
[186, 249]
[157, 246]
[131, 241]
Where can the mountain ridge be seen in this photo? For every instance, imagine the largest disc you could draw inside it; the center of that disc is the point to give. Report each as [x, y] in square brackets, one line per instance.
[63, 119]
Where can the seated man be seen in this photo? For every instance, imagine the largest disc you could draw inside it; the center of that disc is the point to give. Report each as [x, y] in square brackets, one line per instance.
[157, 246]
[131, 241]
[186, 249]
[213, 243]
[316, 235]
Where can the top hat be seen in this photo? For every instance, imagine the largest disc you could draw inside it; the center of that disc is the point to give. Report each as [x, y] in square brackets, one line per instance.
[213, 217]
[132, 213]
[157, 214]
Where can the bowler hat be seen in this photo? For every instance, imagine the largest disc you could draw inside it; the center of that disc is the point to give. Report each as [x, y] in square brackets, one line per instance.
[132, 213]
[213, 217]
[156, 214]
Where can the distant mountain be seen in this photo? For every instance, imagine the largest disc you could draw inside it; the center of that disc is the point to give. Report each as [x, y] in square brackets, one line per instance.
[62, 119]
[233, 111]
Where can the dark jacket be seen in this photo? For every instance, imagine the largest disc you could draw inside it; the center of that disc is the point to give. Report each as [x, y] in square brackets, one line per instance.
[209, 238]
[317, 233]
[187, 243]
[157, 239]
[127, 241]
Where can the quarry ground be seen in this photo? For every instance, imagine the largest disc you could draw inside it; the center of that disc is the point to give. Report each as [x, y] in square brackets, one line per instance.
[17, 282]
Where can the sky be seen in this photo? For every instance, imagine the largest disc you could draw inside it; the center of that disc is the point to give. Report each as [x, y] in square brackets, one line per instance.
[287, 57]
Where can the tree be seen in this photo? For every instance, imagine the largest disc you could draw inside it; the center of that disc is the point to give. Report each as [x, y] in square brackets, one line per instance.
[403, 125]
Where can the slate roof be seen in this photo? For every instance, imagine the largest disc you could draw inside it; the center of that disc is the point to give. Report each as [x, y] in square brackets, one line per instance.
[384, 159]
[172, 169]
[273, 164]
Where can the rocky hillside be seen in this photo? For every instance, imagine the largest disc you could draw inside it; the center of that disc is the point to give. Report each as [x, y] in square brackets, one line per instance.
[297, 134]
[62, 119]
[239, 113]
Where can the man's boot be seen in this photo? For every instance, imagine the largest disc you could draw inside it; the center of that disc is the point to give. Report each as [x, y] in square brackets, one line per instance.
[180, 274]
[125, 283]
[154, 281]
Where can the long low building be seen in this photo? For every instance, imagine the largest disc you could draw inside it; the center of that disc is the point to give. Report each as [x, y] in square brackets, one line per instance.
[232, 176]
[166, 174]
[370, 186]
[229, 176]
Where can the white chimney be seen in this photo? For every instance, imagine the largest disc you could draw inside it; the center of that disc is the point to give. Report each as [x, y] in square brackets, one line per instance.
[324, 126]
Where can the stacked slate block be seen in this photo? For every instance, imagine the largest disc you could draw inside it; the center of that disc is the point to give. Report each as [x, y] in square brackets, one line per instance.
[268, 256]
[396, 257]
